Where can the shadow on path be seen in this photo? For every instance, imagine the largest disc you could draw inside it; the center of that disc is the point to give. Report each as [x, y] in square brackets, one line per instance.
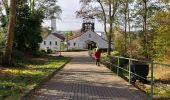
[81, 79]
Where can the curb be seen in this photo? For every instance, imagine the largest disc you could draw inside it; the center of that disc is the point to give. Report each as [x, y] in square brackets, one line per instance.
[38, 86]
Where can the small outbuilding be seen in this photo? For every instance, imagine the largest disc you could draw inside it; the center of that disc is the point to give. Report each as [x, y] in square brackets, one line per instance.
[52, 41]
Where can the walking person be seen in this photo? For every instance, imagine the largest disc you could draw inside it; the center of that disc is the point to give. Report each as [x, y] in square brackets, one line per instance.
[97, 55]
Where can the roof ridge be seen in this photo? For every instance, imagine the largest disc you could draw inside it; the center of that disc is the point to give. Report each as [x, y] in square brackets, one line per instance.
[58, 36]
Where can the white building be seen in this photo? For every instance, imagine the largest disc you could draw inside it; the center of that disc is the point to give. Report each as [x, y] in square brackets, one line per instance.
[86, 40]
[52, 41]
[83, 39]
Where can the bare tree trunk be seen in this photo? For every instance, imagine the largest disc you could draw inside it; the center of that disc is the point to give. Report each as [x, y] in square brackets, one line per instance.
[104, 14]
[110, 29]
[125, 34]
[107, 34]
[130, 37]
[112, 11]
[145, 30]
[110, 39]
[10, 33]
[126, 20]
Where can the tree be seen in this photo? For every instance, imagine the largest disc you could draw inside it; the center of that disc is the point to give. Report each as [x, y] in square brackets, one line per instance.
[69, 34]
[118, 40]
[49, 7]
[4, 12]
[2, 42]
[124, 11]
[45, 32]
[30, 15]
[28, 29]
[160, 44]
[144, 10]
[10, 33]
[6, 7]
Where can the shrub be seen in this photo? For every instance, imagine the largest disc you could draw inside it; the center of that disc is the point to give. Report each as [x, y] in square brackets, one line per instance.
[49, 51]
[115, 53]
[43, 51]
[39, 53]
[2, 42]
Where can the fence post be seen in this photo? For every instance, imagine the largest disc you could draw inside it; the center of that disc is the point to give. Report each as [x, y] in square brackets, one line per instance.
[118, 66]
[129, 70]
[152, 81]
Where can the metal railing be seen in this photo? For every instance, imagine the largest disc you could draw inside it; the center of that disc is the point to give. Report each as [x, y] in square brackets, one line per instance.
[130, 60]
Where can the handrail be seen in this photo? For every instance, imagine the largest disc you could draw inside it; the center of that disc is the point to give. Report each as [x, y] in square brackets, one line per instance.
[132, 73]
[147, 62]
[125, 70]
[161, 64]
[151, 63]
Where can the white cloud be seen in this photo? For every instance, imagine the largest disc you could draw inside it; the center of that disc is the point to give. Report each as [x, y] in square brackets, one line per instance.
[68, 17]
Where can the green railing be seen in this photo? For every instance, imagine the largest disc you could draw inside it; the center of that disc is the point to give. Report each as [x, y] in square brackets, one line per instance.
[130, 60]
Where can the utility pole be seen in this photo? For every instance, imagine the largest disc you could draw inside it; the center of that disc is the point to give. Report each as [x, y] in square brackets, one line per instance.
[60, 49]
[67, 40]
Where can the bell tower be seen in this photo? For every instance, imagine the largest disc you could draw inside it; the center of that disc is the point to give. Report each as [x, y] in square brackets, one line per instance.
[88, 24]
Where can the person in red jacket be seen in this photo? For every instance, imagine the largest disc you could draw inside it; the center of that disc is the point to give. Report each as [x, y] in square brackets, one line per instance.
[97, 55]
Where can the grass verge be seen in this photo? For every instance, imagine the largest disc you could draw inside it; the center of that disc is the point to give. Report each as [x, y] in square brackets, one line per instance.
[16, 81]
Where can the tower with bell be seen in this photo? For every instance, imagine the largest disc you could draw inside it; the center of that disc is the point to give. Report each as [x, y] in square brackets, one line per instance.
[88, 24]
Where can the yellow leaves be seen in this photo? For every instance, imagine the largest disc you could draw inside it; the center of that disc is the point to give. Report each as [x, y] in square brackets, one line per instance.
[166, 1]
[161, 91]
[22, 71]
[163, 17]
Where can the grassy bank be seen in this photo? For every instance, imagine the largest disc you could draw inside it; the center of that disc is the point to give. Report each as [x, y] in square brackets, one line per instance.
[16, 81]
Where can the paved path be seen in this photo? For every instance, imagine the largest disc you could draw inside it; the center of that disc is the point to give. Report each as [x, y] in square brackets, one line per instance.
[81, 79]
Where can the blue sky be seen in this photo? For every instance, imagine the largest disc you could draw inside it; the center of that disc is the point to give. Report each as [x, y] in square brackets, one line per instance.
[68, 21]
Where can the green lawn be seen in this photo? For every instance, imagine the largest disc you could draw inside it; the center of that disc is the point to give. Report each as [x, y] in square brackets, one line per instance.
[14, 82]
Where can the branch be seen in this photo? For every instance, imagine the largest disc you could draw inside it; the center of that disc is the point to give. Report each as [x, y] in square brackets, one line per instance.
[104, 14]
[5, 3]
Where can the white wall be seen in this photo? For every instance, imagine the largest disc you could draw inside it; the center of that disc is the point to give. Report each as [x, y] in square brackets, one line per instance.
[53, 45]
[81, 41]
[94, 37]
[78, 44]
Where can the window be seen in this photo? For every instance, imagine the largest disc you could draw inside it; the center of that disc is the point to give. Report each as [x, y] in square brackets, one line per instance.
[68, 43]
[55, 42]
[50, 43]
[74, 44]
[89, 35]
[44, 42]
